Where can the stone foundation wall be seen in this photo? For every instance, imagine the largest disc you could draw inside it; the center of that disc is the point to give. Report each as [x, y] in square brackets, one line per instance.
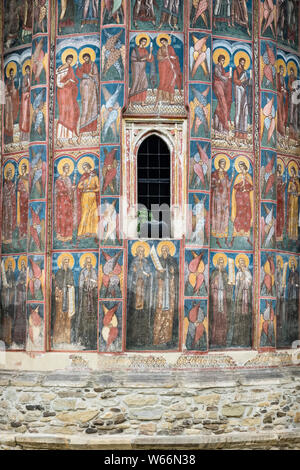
[253, 408]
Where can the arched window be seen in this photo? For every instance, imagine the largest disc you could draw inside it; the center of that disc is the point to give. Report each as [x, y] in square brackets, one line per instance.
[154, 188]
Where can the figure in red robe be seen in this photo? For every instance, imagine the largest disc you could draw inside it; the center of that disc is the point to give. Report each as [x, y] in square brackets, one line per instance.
[169, 73]
[280, 189]
[63, 206]
[22, 205]
[109, 170]
[139, 85]
[222, 88]
[11, 108]
[24, 121]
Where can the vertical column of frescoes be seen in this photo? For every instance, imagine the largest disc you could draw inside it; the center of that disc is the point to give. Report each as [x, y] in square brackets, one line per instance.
[17, 42]
[196, 252]
[112, 76]
[75, 177]
[231, 277]
[38, 179]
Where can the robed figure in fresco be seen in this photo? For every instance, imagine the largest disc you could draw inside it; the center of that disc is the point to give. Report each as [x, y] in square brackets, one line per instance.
[220, 200]
[11, 107]
[140, 285]
[293, 203]
[7, 300]
[22, 200]
[89, 93]
[166, 294]
[170, 12]
[90, 12]
[292, 302]
[86, 329]
[19, 326]
[221, 293]
[88, 202]
[222, 88]
[293, 115]
[68, 120]
[242, 203]
[64, 292]
[242, 318]
[9, 209]
[24, 120]
[282, 102]
[169, 71]
[281, 311]
[241, 86]
[139, 59]
[143, 10]
[64, 202]
[280, 212]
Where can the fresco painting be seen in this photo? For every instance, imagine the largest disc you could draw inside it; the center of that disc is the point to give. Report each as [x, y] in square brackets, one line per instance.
[74, 301]
[196, 282]
[200, 164]
[195, 325]
[268, 65]
[287, 23]
[267, 324]
[232, 18]
[35, 338]
[37, 171]
[268, 175]
[232, 103]
[36, 278]
[38, 114]
[110, 170]
[267, 274]
[230, 301]
[200, 57]
[13, 301]
[152, 295]
[113, 54]
[39, 61]
[268, 117]
[110, 327]
[112, 96]
[200, 14]
[157, 14]
[200, 110]
[111, 273]
[268, 18]
[113, 12]
[78, 16]
[18, 19]
[198, 219]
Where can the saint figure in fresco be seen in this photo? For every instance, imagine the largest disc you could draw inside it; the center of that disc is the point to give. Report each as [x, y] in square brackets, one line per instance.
[293, 91]
[196, 339]
[242, 318]
[221, 293]
[222, 89]
[220, 201]
[88, 202]
[169, 72]
[19, 326]
[143, 10]
[69, 113]
[9, 206]
[86, 329]
[239, 14]
[90, 12]
[140, 285]
[280, 213]
[241, 85]
[24, 120]
[170, 12]
[166, 296]
[7, 300]
[139, 58]
[11, 107]
[282, 102]
[89, 92]
[64, 205]
[22, 201]
[67, 14]
[64, 292]
[292, 205]
[242, 204]
[281, 311]
[267, 335]
[292, 302]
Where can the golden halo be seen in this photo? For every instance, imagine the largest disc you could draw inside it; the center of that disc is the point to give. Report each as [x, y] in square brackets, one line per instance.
[279, 160]
[85, 160]
[13, 262]
[221, 51]
[63, 256]
[242, 55]
[87, 50]
[170, 245]
[216, 258]
[24, 160]
[291, 165]
[11, 65]
[67, 52]
[238, 160]
[163, 36]
[280, 260]
[27, 62]
[291, 65]
[281, 62]
[7, 167]
[140, 36]
[294, 258]
[244, 257]
[219, 157]
[61, 164]
[22, 258]
[136, 245]
[85, 256]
